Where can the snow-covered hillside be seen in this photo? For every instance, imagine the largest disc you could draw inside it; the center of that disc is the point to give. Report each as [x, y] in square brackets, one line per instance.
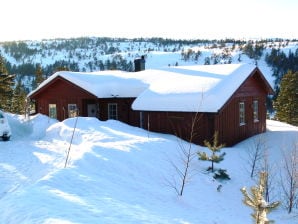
[93, 54]
[120, 174]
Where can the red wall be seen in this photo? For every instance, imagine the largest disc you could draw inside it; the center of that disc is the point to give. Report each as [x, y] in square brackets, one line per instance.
[125, 113]
[61, 92]
[226, 121]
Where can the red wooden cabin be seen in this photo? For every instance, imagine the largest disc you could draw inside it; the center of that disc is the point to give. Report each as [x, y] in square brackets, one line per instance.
[230, 99]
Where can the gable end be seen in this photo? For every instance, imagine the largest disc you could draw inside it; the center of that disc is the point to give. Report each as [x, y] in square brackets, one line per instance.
[253, 86]
[63, 88]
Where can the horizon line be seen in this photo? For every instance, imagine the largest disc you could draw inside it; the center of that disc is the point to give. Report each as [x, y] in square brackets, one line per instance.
[154, 37]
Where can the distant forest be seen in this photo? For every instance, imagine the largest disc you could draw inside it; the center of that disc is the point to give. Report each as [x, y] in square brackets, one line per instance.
[25, 58]
[78, 49]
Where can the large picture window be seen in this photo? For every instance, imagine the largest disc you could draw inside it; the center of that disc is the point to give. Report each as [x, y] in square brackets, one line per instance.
[53, 111]
[256, 110]
[72, 110]
[112, 111]
[242, 113]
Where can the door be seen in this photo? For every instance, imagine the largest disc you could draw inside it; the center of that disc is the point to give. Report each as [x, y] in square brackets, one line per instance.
[91, 110]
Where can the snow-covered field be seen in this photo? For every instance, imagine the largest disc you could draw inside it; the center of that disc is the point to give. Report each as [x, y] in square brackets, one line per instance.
[119, 174]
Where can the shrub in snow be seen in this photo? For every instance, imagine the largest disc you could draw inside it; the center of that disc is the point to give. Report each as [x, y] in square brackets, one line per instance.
[215, 149]
[221, 175]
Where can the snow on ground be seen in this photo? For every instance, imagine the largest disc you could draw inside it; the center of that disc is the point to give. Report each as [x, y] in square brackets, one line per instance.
[119, 174]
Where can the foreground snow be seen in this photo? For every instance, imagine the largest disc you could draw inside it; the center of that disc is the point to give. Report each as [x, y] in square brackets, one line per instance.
[119, 174]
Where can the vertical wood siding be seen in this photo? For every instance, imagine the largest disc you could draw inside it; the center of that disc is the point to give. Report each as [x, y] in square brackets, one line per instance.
[225, 121]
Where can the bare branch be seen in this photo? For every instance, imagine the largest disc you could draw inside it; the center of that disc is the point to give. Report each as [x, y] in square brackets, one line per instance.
[255, 154]
[289, 177]
[183, 164]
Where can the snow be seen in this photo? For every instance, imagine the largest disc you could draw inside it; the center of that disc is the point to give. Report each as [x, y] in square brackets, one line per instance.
[102, 84]
[197, 88]
[117, 174]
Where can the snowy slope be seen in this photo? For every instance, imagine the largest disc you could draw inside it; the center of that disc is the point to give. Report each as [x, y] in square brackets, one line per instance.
[158, 55]
[119, 174]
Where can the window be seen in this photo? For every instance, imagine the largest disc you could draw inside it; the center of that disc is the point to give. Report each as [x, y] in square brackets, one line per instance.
[112, 111]
[53, 111]
[256, 110]
[72, 110]
[241, 113]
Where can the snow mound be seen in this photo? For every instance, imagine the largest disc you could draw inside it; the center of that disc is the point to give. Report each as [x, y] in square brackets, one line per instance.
[118, 174]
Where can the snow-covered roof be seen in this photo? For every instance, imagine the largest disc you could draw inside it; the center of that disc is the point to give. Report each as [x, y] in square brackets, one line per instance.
[202, 88]
[199, 88]
[102, 84]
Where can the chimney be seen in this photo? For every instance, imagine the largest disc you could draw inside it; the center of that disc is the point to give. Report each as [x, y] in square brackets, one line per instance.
[139, 64]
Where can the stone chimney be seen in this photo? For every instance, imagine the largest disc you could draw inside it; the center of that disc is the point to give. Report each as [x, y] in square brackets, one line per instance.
[139, 64]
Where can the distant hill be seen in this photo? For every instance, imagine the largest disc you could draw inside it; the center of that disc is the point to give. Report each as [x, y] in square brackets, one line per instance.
[273, 56]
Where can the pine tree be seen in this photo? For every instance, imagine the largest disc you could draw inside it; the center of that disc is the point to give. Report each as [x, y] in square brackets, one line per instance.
[286, 104]
[6, 86]
[61, 68]
[19, 99]
[215, 148]
[38, 76]
[257, 202]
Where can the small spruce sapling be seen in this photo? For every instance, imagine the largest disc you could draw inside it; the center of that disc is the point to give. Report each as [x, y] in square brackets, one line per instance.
[256, 201]
[221, 174]
[215, 149]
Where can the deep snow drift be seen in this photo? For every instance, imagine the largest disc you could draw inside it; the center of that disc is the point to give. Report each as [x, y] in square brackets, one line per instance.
[120, 174]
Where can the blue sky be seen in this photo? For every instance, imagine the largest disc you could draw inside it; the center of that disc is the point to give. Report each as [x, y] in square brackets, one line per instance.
[187, 19]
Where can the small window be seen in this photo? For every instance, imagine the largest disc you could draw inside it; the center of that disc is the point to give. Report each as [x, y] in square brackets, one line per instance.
[256, 110]
[112, 111]
[53, 111]
[72, 110]
[241, 113]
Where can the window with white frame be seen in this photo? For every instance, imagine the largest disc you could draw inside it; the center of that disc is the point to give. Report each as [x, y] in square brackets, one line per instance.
[72, 110]
[53, 110]
[112, 111]
[242, 113]
[256, 110]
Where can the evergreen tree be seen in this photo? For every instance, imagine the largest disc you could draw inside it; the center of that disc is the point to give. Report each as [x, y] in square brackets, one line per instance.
[19, 98]
[207, 61]
[6, 86]
[61, 68]
[214, 148]
[286, 104]
[38, 75]
[256, 201]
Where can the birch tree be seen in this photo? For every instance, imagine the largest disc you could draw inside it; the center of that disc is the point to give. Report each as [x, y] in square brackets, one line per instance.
[289, 177]
[184, 165]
